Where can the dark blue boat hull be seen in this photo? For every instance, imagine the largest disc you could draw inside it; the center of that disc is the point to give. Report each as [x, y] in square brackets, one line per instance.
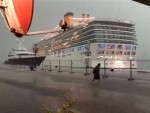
[25, 61]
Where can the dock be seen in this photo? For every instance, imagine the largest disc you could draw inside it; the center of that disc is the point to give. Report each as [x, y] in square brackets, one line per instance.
[25, 91]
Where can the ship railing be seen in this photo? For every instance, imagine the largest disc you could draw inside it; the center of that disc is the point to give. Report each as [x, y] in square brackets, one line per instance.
[115, 20]
[133, 69]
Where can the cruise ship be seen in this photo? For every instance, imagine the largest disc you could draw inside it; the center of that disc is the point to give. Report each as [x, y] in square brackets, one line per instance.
[87, 41]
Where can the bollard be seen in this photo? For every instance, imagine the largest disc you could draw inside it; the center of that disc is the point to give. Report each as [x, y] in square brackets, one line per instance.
[86, 68]
[32, 68]
[24, 66]
[86, 71]
[131, 78]
[71, 67]
[50, 66]
[105, 76]
[59, 67]
[42, 67]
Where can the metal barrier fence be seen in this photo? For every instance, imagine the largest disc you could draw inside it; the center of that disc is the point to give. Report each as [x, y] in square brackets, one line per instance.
[131, 71]
[137, 69]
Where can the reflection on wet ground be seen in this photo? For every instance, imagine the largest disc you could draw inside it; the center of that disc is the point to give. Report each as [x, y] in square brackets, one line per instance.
[23, 91]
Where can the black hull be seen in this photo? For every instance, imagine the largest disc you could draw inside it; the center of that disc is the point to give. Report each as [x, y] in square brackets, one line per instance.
[26, 61]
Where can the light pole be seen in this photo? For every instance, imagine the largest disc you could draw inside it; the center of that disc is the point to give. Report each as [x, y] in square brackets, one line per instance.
[87, 57]
[88, 54]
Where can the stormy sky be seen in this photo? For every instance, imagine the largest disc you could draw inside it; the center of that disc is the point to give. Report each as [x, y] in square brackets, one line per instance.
[47, 14]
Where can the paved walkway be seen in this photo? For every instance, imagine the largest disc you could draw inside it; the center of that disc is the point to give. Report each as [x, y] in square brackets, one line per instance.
[24, 91]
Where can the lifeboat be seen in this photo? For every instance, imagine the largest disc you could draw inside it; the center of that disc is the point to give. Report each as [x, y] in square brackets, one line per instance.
[17, 15]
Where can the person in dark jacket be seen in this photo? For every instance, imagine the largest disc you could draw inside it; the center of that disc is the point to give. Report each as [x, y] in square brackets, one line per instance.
[96, 72]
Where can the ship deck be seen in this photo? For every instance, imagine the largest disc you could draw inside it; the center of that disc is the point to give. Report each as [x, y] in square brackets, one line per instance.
[25, 91]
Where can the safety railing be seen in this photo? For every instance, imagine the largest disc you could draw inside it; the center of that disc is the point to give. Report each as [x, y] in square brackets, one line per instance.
[129, 69]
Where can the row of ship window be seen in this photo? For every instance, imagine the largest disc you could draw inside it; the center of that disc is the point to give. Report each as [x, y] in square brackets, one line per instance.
[98, 34]
[98, 52]
[68, 50]
[62, 55]
[114, 46]
[103, 52]
[84, 41]
[121, 28]
[100, 27]
[114, 32]
[105, 41]
[100, 46]
[102, 36]
[112, 22]
[115, 52]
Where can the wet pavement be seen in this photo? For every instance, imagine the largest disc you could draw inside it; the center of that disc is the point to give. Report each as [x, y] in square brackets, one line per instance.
[25, 91]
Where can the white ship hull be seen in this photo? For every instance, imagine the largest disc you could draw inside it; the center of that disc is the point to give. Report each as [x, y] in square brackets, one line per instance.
[79, 59]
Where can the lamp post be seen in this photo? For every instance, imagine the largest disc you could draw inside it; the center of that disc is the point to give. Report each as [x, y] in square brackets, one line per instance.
[87, 57]
[88, 54]
[35, 50]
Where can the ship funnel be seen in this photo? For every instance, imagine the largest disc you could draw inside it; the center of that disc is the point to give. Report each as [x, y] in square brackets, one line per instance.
[68, 17]
[88, 18]
[83, 17]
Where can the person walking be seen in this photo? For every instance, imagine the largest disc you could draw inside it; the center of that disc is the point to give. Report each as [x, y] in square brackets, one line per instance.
[96, 72]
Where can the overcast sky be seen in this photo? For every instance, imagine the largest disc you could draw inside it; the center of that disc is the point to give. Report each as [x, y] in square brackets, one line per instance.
[47, 14]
